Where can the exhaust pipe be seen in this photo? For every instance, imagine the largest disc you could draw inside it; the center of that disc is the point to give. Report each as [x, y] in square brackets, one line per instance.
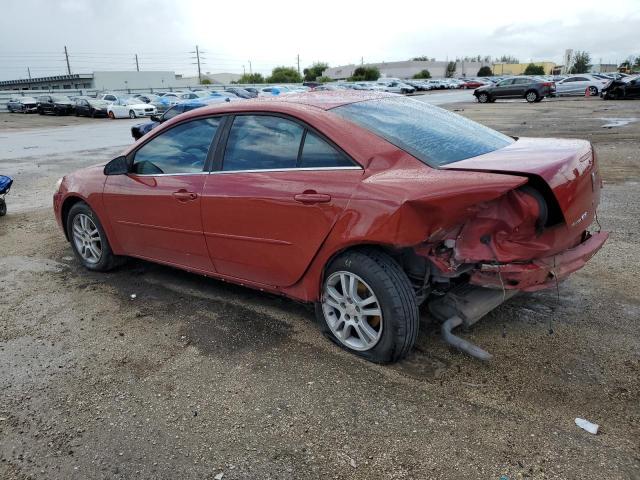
[465, 305]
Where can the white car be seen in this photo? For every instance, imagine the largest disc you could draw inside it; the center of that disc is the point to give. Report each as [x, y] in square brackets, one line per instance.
[130, 107]
[578, 85]
[395, 86]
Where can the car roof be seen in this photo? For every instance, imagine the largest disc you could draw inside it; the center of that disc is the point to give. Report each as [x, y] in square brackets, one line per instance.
[324, 100]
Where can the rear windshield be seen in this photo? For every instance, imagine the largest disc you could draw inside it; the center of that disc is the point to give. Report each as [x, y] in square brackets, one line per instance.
[433, 135]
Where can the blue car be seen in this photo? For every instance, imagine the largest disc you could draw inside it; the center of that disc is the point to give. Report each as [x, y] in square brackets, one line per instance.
[137, 131]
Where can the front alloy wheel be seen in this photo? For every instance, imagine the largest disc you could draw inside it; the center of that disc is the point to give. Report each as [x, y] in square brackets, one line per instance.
[593, 91]
[132, 114]
[483, 98]
[86, 238]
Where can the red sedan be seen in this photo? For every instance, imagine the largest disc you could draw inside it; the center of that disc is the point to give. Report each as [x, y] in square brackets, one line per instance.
[366, 204]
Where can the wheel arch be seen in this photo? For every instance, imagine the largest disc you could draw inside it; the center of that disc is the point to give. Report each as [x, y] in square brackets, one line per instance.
[68, 202]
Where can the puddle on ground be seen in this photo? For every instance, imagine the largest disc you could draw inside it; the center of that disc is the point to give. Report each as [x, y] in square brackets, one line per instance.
[617, 122]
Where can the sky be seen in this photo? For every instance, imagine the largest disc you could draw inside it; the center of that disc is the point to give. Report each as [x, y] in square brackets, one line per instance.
[106, 34]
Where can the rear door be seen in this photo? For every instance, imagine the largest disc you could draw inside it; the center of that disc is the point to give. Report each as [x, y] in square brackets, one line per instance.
[277, 192]
[155, 210]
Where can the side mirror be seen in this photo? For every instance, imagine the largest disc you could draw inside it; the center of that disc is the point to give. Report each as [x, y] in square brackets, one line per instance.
[156, 118]
[117, 166]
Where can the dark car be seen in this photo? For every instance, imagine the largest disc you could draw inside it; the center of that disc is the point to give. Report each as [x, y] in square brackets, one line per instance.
[22, 104]
[625, 87]
[137, 131]
[91, 107]
[56, 104]
[241, 92]
[531, 89]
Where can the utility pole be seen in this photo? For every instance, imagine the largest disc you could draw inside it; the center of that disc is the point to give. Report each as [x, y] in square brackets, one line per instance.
[250, 72]
[298, 64]
[29, 74]
[199, 72]
[361, 61]
[244, 72]
[66, 56]
[137, 64]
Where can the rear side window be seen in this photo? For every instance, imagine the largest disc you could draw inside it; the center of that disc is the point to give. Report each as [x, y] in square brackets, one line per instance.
[261, 142]
[319, 154]
[181, 149]
[433, 135]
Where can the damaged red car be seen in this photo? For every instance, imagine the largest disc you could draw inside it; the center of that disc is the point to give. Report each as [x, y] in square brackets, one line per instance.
[367, 204]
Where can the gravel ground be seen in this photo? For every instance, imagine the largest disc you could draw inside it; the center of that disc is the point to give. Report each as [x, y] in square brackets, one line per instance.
[195, 378]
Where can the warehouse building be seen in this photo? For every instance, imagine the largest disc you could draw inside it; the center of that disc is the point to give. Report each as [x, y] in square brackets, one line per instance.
[105, 80]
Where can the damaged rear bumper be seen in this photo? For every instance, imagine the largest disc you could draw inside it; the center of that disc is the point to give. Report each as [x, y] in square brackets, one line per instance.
[541, 273]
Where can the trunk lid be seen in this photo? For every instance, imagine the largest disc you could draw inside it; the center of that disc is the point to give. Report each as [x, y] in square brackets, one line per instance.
[568, 167]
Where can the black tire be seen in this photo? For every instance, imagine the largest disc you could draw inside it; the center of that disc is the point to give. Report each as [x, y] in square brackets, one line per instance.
[396, 299]
[483, 97]
[538, 100]
[531, 96]
[593, 91]
[132, 114]
[3, 207]
[111, 116]
[107, 259]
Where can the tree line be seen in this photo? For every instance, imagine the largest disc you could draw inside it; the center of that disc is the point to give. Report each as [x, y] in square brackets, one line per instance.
[580, 63]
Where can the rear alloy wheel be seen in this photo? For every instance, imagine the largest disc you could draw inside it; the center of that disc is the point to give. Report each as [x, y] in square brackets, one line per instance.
[483, 98]
[132, 114]
[593, 91]
[531, 96]
[88, 239]
[112, 116]
[368, 306]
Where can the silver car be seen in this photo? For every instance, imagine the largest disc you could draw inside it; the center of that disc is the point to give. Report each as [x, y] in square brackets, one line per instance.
[579, 84]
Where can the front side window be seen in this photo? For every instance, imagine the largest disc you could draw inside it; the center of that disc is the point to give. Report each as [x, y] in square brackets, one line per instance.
[261, 142]
[181, 149]
[433, 135]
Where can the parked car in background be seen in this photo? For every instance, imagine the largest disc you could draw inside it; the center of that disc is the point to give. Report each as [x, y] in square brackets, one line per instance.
[130, 107]
[56, 104]
[417, 84]
[91, 107]
[579, 84]
[434, 84]
[110, 97]
[137, 131]
[366, 205]
[531, 89]
[243, 93]
[147, 97]
[473, 83]
[394, 86]
[624, 88]
[22, 104]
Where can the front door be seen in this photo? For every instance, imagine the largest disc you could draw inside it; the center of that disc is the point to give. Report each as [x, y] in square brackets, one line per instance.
[273, 201]
[505, 88]
[155, 209]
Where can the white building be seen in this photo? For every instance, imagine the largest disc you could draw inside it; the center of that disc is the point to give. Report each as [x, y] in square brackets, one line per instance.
[408, 69]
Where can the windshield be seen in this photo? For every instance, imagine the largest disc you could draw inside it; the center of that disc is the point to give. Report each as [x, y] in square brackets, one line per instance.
[60, 98]
[431, 134]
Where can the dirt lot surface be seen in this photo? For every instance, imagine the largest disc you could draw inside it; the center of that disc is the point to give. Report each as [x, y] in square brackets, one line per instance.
[195, 378]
